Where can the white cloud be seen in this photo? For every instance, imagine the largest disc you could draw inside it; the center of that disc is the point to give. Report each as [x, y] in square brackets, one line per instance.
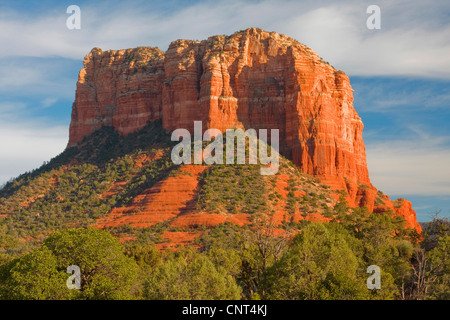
[416, 166]
[30, 77]
[10, 76]
[24, 146]
[48, 102]
[401, 47]
[414, 38]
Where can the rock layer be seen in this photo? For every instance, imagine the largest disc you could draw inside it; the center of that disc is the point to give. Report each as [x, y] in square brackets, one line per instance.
[251, 79]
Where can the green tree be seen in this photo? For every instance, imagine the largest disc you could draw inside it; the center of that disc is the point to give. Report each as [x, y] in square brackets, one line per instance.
[319, 264]
[106, 272]
[434, 230]
[192, 276]
[246, 252]
[34, 276]
[440, 266]
[148, 257]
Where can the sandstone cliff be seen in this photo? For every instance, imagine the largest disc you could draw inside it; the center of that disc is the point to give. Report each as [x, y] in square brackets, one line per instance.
[120, 88]
[251, 79]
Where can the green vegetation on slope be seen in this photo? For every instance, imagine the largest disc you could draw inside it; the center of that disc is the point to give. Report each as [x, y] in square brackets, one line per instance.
[232, 189]
[68, 190]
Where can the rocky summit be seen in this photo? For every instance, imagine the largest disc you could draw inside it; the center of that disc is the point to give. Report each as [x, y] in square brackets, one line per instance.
[250, 79]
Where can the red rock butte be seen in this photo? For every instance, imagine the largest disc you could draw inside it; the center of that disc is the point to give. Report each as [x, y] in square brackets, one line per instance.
[251, 79]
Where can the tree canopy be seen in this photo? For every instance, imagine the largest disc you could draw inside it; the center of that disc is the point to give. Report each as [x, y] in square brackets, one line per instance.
[106, 271]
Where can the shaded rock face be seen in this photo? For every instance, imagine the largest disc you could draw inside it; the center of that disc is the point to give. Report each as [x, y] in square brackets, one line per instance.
[251, 79]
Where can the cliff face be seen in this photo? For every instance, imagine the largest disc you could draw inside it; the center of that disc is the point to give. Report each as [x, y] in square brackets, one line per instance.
[117, 88]
[251, 79]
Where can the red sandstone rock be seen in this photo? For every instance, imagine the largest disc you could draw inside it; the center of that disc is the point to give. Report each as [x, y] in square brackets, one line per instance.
[120, 88]
[406, 211]
[251, 79]
[401, 207]
[165, 200]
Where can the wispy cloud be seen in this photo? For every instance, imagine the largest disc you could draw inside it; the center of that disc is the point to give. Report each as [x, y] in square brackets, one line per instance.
[10, 109]
[26, 141]
[34, 77]
[414, 166]
[414, 38]
[27, 145]
[383, 94]
[48, 102]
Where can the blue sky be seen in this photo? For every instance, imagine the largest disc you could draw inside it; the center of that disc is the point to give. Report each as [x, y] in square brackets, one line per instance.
[400, 73]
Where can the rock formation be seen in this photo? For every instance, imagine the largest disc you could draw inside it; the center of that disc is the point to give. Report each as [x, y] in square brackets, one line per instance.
[251, 79]
[120, 88]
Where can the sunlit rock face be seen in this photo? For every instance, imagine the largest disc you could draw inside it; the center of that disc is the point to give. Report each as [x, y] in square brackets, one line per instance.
[251, 79]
